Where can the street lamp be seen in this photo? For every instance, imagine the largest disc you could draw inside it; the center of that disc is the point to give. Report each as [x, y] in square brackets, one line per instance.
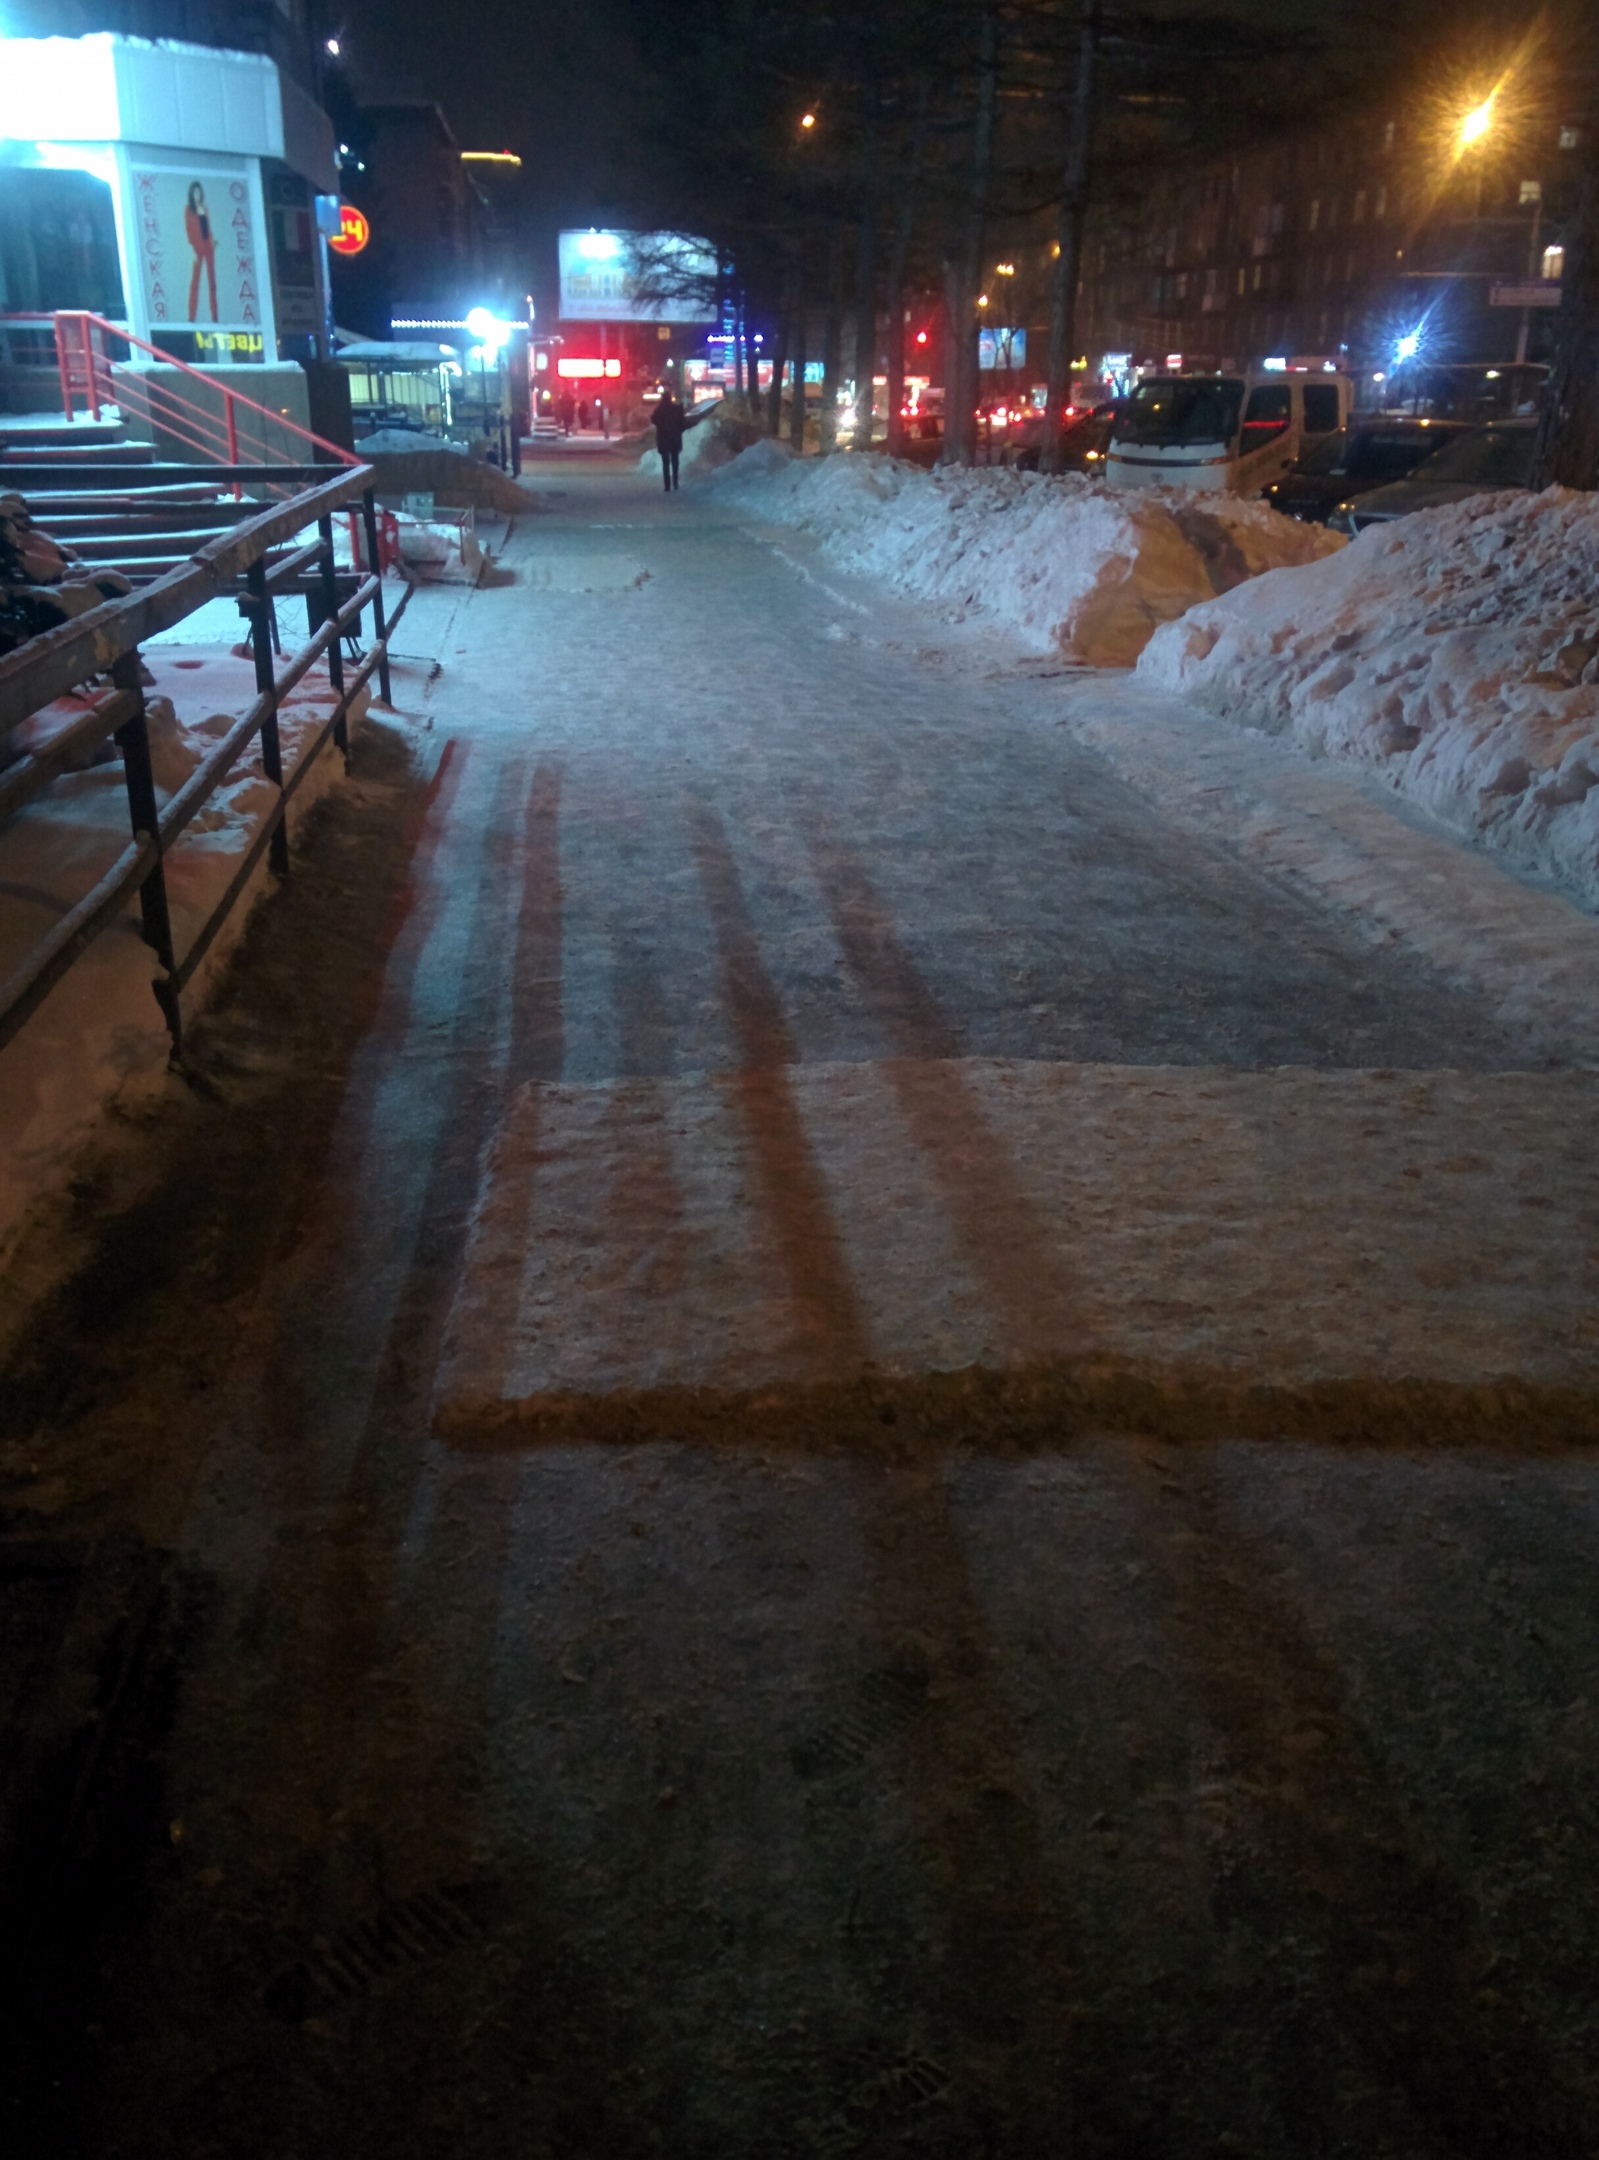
[807, 120]
[492, 336]
[1475, 124]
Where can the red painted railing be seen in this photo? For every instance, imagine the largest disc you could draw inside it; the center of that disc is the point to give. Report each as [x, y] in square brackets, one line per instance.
[243, 432]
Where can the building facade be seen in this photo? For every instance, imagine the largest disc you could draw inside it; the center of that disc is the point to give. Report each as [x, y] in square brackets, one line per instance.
[1369, 241]
[429, 218]
[169, 187]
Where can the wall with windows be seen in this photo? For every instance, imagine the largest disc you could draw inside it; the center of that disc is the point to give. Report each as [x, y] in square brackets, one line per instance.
[1338, 243]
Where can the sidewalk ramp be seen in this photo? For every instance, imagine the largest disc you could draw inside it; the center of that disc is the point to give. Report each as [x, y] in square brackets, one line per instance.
[991, 1250]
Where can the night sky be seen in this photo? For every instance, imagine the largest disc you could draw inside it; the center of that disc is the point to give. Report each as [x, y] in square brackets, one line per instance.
[536, 79]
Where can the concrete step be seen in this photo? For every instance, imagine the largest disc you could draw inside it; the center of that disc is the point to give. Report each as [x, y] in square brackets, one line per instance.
[113, 547]
[34, 430]
[129, 520]
[15, 450]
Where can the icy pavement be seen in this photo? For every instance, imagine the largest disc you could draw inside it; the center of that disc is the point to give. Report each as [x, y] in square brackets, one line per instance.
[792, 985]
[856, 1026]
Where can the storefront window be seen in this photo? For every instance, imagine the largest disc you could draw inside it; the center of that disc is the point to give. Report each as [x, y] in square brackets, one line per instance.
[58, 243]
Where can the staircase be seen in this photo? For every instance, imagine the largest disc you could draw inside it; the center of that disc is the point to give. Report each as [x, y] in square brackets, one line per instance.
[109, 496]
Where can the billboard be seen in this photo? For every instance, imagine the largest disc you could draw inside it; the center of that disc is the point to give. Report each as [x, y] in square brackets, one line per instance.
[1001, 348]
[197, 248]
[657, 277]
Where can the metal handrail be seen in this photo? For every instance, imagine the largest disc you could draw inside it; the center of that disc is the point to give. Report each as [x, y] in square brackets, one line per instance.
[232, 399]
[48, 666]
[106, 641]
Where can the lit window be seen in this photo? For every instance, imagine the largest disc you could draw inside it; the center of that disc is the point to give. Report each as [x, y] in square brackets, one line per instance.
[1554, 262]
[1315, 212]
[1531, 192]
[1388, 136]
[1568, 138]
[1379, 208]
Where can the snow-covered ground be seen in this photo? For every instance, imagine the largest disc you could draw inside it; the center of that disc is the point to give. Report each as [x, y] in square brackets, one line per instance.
[1065, 564]
[99, 1038]
[1455, 653]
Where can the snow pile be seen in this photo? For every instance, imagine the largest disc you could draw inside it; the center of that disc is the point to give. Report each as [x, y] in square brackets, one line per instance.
[99, 1037]
[1065, 563]
[406, 442]
[1456, 652]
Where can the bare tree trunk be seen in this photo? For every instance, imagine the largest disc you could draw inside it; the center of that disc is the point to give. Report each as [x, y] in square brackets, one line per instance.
[832, 339]
[1568, 434]
[1069, 262]
[866, 286]
[960, 377]
[904, 229]
[965, 271]
[796, 413]
[895, 356]
[774, 389]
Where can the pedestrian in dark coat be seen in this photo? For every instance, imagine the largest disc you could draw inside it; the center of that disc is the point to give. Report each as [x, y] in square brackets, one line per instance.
[671, 424]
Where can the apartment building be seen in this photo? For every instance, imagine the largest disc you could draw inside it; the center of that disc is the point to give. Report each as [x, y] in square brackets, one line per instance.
[1368, 240]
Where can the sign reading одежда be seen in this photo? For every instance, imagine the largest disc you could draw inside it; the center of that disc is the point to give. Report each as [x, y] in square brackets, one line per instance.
[198, 258]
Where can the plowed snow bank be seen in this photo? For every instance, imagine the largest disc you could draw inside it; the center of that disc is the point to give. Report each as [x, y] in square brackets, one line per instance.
[1064, 563]
[1456, 652]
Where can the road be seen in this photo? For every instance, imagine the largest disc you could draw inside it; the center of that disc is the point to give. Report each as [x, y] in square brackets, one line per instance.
[817, 1435]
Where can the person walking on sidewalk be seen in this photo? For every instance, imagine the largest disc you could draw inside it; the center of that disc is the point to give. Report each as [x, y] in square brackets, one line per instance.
[671, 425]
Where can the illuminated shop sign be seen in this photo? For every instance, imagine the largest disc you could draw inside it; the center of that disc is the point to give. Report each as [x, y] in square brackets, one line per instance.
[354, 232]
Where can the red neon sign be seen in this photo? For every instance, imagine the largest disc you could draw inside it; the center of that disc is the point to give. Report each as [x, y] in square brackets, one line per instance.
[586, 370]
[354, 232]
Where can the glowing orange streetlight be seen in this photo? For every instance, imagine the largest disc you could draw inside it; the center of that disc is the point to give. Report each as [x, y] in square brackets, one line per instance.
[1475, 124]
[807, 120]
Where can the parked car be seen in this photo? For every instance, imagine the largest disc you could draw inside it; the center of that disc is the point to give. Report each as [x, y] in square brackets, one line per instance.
[1478, 462]
[1222, 433]
[1367, 454]
[1083, 442]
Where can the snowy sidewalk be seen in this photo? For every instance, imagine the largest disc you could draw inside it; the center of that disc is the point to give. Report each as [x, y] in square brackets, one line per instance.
[849, 1037]
[939, 1240]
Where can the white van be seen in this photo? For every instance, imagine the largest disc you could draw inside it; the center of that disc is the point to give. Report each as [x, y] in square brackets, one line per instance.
[1225, 433]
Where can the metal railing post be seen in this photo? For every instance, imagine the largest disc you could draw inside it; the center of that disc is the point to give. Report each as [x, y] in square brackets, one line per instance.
[330, 608]
[369, 514]
[91, 383]
[232, 420]
[64, 367]
[259, 607]
[133, 740]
